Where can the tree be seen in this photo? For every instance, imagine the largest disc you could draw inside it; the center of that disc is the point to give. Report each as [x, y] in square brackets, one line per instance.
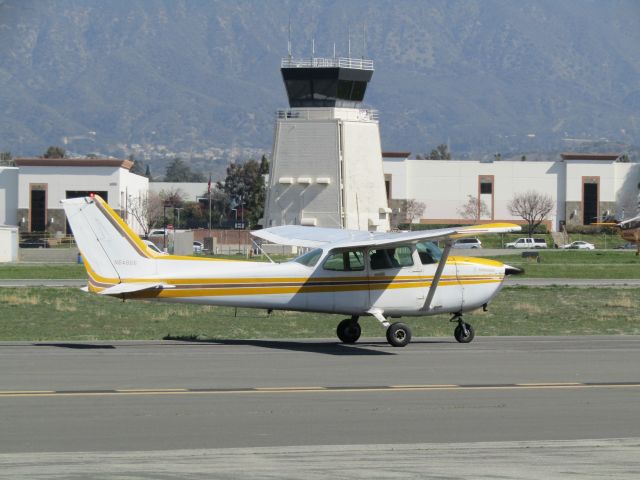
[532, 207]
[140, 209]
[178, 171]
[414, 209]
[441, 152]
[244, 185]
[54, 152]
[6, 159]
[137, 167]
[474, 209]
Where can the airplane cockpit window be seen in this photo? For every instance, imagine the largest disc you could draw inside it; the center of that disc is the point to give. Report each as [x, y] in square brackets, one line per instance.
[398, 257]
[429, 252]
[349, 260]
[309, 259]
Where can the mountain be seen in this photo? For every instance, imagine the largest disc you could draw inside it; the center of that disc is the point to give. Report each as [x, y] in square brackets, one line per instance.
[160, 77]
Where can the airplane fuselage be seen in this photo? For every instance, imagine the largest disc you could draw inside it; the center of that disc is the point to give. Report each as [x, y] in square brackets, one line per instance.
[466, 284]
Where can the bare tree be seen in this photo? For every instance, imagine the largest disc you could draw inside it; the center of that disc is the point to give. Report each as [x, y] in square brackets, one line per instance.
[414, 209]
[474, 209]
[147, 211]
[532, 207]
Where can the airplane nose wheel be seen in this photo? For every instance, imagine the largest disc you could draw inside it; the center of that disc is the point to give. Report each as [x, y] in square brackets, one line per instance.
[398, 334]
[349, 330]
[464, 332]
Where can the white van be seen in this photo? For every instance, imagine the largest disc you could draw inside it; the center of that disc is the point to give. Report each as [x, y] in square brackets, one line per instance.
[467, 243]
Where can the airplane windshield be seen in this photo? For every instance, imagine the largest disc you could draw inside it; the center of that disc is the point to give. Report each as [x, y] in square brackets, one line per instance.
[428, 252]
[309, 259]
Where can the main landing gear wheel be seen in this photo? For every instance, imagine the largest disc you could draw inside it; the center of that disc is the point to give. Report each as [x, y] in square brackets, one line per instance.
[464, 332]
[398, 334]
[349, 330]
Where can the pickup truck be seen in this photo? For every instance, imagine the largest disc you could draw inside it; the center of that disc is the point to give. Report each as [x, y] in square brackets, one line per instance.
[527, 243]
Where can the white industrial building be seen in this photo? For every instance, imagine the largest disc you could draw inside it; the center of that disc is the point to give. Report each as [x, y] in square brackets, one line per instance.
[43, 182]
[326, 167]
[8, 196]
[584, 187]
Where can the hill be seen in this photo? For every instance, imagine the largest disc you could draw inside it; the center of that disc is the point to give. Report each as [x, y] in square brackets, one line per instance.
[201, 79]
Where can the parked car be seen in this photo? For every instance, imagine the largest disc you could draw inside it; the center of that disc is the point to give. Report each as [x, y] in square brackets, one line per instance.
[198, 247]
[34, 243]
[579, 245]
[527, 243]
[626, 246]
[467, 243]
[153, 247]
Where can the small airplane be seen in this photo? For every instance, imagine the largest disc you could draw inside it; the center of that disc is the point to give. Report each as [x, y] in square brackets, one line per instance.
[629, 230]
[355, 273]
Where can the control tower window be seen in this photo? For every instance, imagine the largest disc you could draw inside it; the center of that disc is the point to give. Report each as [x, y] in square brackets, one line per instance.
[357, 93]
[324, 89]
[299, 89]
[344, 89]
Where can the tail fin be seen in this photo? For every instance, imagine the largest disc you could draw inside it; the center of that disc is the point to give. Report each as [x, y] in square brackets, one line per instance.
[111, 250]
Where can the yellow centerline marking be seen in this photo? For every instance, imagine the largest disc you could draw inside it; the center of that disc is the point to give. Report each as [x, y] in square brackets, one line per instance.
[25, 392]
[549, 384]
[426, 386]
[288, 389]
[148, 390]
[314, 389]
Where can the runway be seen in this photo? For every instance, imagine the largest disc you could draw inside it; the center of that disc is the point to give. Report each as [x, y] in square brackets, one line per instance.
[150, 409]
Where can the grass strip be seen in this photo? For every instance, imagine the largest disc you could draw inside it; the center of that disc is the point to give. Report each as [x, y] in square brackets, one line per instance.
[44, 314]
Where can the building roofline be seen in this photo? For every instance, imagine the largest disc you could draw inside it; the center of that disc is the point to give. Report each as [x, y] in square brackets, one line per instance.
[396, 154]
[73, 162]
[589, 156]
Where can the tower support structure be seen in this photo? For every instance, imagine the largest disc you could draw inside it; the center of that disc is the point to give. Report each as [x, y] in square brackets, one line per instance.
[326, 167]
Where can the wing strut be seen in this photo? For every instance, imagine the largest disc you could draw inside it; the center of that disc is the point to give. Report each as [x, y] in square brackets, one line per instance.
[438, 275]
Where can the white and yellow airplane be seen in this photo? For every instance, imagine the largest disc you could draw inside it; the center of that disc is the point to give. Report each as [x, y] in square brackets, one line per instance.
[356, 273]
[628, 229]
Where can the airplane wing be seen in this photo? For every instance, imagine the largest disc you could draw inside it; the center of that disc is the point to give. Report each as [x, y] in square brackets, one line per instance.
[301, 236]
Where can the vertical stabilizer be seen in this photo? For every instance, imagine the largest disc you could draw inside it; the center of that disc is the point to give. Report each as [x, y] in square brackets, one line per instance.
[111, 250]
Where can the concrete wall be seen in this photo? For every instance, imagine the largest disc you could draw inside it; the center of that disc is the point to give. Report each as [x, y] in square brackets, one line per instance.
[365, 198]
[316, 152]
[8, 196]
[444, 186]
[121, 186]
[306, 153]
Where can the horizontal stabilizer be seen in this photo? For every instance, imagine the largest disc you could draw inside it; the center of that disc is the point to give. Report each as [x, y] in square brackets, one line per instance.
[121, 288]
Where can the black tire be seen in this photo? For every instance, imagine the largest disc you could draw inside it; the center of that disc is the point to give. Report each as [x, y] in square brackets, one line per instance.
[398, 335]
[460, 336]
[348, 331]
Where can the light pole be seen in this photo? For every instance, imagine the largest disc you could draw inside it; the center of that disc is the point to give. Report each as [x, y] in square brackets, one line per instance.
[177, 225]
[165, 205]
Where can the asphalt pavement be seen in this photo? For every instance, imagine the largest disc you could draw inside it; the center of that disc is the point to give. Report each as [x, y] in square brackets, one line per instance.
[518, 407]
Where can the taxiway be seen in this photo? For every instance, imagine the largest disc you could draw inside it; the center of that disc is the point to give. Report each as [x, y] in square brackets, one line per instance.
[84, 405]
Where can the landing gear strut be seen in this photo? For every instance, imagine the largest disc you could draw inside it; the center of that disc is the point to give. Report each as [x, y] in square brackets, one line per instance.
[398, 334]
[349, 330]
[464, 332]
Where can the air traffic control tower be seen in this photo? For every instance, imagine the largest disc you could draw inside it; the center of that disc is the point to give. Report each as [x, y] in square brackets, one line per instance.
[326, 167]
